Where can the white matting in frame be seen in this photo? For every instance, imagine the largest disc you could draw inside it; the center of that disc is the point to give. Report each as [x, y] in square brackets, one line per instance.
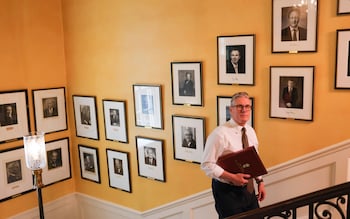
[343, 7]
[240, 50]
[223, 110]
[148, 106]
[187, 83]
[150, 158]
[307, 26]
[188, 138]
[58, 162]
[50, 109]
[85, 115]
[296, 103]
[342, 71]
[118, 170]
[14, 120]
[115, 120]
[16, 178]
[89, 163]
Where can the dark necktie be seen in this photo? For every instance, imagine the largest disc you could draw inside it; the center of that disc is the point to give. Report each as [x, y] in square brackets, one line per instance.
[294, 35]
[250, 186]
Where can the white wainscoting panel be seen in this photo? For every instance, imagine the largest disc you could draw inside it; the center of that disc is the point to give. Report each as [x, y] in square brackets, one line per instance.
[311, 172]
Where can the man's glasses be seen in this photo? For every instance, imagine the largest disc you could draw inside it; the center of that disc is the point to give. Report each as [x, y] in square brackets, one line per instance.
[241, 107]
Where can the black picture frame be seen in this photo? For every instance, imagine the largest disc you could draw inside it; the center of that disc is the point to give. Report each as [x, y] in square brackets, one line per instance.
[342, 68]
[343, 7]
[188, 138]
[305, 14]
[150, 158]
[118, 170]
[89, 163]
[223, 103]
[58, 166]
[50, 109]
[186, 78]
[17, 178]
[148, 106]
[115, 118]
[295, 104]
[14, 115]
[238, 51]
[85, 114]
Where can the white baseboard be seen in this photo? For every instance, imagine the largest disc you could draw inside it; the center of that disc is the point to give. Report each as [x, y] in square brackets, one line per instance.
[311, 172]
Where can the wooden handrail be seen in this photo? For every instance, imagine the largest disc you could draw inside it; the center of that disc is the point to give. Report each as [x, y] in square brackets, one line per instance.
[323, 204]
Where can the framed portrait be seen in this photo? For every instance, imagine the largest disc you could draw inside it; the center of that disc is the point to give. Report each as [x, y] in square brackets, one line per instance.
[343, 7]
[342, 70]
[148, 106]
[14, 120]
[150, 158]
[236, 59]
[294, 26]
[16, 178]
[58, 162]
[50, 109]
[186, 80]
[85, 114]
[89, 163]
[115, 120]
[223, 110]
[292, 92]
[118, 170]
[188, 138]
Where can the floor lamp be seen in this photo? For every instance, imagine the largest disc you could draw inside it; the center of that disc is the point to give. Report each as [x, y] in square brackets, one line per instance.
[35, 154]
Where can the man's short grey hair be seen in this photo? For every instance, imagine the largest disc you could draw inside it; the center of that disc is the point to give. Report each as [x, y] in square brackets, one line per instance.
[238, 95]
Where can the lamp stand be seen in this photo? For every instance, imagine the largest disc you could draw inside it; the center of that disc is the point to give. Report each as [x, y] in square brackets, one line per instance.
[38, 184]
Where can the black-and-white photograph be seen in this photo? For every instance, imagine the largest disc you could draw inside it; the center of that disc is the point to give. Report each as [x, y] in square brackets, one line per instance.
[85, 114]
[54, 158]
[187, 83]
[114, 112]
[342, 69]
[188, 138]
[294, 26]
[50, 109]
[236, 59]
[292, 92]
[14, 111]
[13, 171]
[118, 170]
[8, 114]
[150, 158]
[89, 163]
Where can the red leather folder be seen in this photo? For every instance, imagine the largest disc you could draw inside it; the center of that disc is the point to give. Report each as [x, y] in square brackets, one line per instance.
[244, 161]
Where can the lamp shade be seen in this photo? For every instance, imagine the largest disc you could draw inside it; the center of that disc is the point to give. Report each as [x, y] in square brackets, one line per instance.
[34, 149]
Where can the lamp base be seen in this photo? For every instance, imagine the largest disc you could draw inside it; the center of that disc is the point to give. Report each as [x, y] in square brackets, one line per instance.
[38, 180]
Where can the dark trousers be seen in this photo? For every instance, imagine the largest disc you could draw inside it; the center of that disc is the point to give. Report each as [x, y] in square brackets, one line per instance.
[231, 200]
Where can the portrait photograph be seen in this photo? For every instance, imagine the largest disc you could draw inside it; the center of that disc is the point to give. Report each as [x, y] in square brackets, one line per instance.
[291, 92]
[150, 158]
[343, 7]
[148, 106]
[16, 177]
[342, 68]
[236, 59]
[187, 83]
[14, 120]
[89, 163]
[85, 114]
[223, 110]
[50, 109]
[188, 138]
[118, 170]
[58, 166]
[115, 120]
[294, 26]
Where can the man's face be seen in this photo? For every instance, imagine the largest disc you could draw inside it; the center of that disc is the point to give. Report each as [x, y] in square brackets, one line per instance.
[235, 56]
[188, 136]
[240, 116]
[290, 84]
[8, 110]
[294, 19]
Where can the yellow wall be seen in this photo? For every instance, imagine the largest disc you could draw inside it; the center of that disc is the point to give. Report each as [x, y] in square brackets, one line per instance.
[112, 44]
